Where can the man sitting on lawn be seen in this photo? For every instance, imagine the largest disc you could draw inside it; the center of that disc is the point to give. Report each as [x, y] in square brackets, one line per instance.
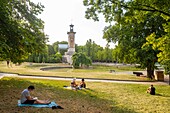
[82, 84]
[151, 90]
[27, 99]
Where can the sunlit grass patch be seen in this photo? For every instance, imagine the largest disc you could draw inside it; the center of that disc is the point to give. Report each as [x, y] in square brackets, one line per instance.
[134, 97]
[101, 72]
[117, 68]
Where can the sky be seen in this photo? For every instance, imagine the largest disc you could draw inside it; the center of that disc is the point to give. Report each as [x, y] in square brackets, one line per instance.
[59, 14]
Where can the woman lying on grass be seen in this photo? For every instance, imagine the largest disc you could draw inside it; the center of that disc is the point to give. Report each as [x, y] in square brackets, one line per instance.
[27, 99]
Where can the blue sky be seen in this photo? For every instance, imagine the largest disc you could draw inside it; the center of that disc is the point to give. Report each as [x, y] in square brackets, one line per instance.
[59, 14]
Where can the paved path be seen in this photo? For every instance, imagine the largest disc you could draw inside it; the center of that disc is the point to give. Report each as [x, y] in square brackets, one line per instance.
[1, 75]
[87, 79]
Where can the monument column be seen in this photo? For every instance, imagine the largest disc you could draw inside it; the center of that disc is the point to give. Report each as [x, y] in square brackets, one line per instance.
[71, 45]
[71, 39]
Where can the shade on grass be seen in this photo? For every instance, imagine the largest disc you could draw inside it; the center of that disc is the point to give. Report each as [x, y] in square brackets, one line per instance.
[101, 97]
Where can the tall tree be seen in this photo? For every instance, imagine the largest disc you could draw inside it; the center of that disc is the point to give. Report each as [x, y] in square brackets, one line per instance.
[131, 37]
[51, 50]
[21, 32]
[107, 53]
[89, 47]
[130, 10]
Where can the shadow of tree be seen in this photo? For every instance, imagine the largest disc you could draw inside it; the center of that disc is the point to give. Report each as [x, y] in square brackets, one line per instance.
[82, 101]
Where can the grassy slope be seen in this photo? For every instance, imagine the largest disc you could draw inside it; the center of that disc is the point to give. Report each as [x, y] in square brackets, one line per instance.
[96, 72]
[101, 97]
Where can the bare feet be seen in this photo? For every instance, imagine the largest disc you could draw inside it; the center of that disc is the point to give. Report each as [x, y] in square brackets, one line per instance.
[48, 101]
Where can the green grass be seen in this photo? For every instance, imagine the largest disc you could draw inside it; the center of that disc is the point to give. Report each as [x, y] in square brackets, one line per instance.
[100, 98]
[95, 72]
[116, 68]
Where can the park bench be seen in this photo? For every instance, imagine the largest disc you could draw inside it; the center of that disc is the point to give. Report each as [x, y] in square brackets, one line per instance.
[111, 71]
[138, 73]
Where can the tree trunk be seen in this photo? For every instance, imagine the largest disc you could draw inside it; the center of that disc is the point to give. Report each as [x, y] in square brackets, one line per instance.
[150, 71]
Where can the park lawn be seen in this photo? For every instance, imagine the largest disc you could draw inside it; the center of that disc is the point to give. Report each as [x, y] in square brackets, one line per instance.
[117, 68]
[101, 72]
[99, 98]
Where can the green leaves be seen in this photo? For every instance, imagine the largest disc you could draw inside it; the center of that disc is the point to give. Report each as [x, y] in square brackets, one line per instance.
[20, 29]
[162, 44]
[150, 41]
[142, 26]
[80, 59]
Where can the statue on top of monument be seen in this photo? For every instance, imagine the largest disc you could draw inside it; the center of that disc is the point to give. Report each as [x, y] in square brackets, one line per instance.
[71, 27]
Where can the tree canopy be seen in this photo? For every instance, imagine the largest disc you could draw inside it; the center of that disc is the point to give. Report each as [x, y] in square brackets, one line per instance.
[115, 9]
[80, 60]
[146, 21]
[21, 31]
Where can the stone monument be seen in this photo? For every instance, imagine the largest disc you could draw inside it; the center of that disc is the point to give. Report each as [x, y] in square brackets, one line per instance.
[71, 46]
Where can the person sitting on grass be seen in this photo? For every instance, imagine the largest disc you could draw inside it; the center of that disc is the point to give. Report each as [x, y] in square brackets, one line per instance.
[27, 99]
[151, 90]
[74, 84]
[82, 84]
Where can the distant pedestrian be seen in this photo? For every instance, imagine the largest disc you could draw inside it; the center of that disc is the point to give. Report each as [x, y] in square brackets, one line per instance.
[151, 90]
[8, 62]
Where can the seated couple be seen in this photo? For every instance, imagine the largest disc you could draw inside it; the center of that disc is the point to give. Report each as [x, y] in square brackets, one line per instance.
[27, 99]
[74, 85]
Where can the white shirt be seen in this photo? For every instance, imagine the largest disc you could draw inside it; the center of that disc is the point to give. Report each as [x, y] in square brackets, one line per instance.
[25, 93]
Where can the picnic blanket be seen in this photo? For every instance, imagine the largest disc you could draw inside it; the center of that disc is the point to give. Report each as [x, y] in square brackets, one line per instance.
[69, 87]
[38, 105]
